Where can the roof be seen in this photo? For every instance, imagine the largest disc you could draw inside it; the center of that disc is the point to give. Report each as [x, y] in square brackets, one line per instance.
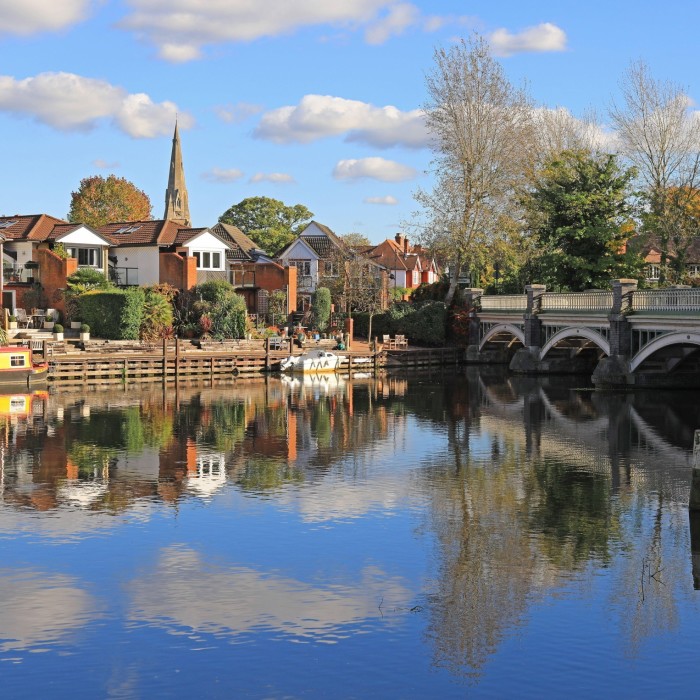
[243, 247]
[324, 246]
[145, 232]
[29, 227]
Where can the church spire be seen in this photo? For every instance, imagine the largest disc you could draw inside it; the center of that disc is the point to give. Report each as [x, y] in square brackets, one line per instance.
[177, 206]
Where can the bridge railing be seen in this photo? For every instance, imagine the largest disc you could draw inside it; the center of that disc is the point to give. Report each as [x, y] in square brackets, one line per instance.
[504, 302]
[577, 301]
[666, 300]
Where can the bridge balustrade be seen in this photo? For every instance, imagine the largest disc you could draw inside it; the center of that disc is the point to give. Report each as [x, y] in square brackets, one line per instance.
[666, 300]
[577, 301]
[504, 302]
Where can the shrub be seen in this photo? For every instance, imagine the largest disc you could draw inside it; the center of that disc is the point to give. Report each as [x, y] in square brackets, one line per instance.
[321, 308]
[58, 328]
[227, 310]
[84, 328]
[157, 314]
[12, 319]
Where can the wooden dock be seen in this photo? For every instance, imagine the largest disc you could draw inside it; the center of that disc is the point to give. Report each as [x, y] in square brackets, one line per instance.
[114, 363]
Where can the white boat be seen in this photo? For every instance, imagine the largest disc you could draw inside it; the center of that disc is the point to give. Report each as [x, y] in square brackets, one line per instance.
[313, 361]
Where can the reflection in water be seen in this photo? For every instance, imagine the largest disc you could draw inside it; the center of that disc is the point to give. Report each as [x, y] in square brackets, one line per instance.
[468, 500]
[39, 609]
[246, 599]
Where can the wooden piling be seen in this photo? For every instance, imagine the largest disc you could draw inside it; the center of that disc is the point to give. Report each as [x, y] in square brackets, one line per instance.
[694, 503]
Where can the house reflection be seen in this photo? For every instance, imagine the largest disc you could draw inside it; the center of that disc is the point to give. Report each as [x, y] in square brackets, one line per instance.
[106, 450]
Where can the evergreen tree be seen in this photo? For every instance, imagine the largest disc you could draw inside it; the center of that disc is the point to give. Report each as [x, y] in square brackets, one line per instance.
[579, 213]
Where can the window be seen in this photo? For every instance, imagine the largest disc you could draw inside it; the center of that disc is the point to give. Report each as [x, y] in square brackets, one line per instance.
[653, 272]
[303, 266]
[208, 259]
[18, 360]
[693, 270]
[330, 268]
[87, 257]
[416, 278]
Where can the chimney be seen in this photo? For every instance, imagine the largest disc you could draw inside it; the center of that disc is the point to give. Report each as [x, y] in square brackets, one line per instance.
[405, 245]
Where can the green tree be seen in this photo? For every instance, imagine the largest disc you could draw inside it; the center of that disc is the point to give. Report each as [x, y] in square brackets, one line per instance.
[578, 211]
[355, 240]
[321, 308]
[269, 222]
[99, 201]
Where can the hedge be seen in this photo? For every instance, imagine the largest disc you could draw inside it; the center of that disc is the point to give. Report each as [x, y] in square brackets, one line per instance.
[113, 314]
[424, 326]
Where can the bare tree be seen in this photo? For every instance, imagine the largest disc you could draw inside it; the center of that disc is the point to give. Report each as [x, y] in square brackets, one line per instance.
[481, 126]
[659, 134]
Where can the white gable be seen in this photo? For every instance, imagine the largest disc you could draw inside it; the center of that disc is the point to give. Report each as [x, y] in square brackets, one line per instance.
[313, 230]
[206, 241]
[82, 236]
[299, 250]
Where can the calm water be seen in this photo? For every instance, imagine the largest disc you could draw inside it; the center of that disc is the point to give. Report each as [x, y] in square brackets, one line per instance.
[443, 536]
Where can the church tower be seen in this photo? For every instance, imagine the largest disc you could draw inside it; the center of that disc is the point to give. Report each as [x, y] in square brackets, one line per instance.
[177, 207]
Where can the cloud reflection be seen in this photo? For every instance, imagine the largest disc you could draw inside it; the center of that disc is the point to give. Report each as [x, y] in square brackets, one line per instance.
[183, 590]
[37, 608]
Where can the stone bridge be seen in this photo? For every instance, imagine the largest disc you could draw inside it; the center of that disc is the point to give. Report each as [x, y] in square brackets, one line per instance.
[625, 337]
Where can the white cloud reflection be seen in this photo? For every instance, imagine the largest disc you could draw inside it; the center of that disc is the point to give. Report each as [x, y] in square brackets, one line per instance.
[236, 599]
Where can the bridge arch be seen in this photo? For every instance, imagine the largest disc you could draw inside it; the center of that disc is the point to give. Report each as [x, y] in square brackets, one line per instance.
[516, 332]
[576, 332]
[664, 341]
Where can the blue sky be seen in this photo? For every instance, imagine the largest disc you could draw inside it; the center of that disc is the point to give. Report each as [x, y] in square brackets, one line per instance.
[308, 101]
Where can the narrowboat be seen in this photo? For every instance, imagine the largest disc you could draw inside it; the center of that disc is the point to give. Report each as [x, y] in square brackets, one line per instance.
[18, 369]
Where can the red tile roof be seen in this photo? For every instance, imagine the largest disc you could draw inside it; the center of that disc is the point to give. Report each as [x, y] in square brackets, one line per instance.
[151, 232]
[28, 227]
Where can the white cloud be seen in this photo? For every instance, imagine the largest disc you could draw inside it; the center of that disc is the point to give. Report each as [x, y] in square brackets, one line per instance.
[223, 175]
[398, 19]
[234, 114]
[320, 116]
[386, 201]
[543, 37]
[180, 29]
[26, 17]
[106, 165]
[276, 178]
[375, 168]
[70, 102]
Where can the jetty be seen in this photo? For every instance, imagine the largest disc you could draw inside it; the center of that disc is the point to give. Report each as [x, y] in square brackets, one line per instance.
[113, 362]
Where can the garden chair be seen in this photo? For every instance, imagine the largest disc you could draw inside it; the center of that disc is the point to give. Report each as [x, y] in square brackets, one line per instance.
[23, 320]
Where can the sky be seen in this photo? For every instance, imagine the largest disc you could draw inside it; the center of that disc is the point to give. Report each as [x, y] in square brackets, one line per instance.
[314, 102]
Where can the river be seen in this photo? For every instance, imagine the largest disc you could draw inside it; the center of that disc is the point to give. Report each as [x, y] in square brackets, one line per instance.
[433, 536]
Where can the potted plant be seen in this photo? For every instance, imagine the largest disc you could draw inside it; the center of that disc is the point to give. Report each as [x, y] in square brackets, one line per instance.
[84, 332]
[58, 331]
[49, 321]
[12, 321]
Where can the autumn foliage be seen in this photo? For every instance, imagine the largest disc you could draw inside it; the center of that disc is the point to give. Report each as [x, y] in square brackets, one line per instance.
[101, 201]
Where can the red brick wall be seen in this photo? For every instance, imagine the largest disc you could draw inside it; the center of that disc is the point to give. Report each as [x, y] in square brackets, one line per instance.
[179, 271]
[53, 271]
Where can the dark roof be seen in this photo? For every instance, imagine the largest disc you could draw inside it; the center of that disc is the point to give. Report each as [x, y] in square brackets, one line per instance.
[30, 227]
[185, 235]
[321, 245]
[243, 246]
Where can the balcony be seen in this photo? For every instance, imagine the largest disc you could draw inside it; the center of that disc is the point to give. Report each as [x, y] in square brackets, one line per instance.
[242, 278]
[17, 274]
[124, 276]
